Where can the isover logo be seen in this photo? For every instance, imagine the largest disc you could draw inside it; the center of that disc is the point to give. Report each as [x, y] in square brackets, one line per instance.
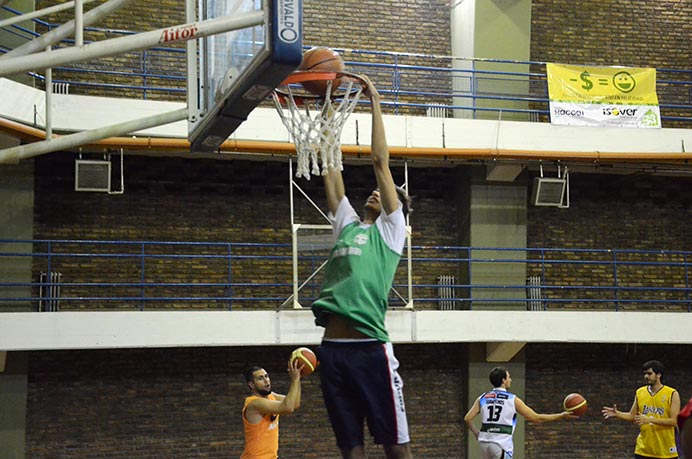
[566, 112]
[619, 111]
[289, 25]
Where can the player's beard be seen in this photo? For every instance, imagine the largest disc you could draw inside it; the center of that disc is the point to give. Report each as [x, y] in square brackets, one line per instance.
[264, 392]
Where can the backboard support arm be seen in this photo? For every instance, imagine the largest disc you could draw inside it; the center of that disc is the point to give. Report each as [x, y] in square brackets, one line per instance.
[137, 42]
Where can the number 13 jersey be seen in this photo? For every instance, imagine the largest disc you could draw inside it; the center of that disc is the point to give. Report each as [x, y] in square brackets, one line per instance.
[499, 416]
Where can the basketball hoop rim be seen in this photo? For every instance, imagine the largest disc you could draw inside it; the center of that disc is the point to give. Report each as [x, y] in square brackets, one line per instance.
[300, 76]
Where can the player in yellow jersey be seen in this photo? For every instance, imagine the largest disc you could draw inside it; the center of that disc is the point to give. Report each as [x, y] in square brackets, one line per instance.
[655, 410]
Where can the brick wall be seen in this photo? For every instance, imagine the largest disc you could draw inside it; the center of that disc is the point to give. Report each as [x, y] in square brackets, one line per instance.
[137, 16]
[650, 34]
[618, 32]
[411, 26]
[605, 375]
[372, 26]
[186, 402]
[174, 199]
[178, 403]
[634, 212]
[165, 403]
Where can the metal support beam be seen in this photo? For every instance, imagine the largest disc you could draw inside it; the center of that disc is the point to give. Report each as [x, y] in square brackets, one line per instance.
[38, 13]
[49, 102]
[14, 154]
[137, 42]
[191, 55]
[65, 30]
[78, 23]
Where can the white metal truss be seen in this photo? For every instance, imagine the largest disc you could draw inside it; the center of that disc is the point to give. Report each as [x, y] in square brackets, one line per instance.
[294, 299]
[21, 60]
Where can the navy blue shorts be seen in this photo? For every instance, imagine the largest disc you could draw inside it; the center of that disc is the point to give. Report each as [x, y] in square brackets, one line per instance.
[360, 383]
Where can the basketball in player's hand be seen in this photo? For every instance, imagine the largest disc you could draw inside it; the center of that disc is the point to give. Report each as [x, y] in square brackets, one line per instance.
[307, 358]
[576, 404]
[321, 59]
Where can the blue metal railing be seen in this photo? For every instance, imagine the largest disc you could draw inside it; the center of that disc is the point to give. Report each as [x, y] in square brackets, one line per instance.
[409, 83]
[114, 275]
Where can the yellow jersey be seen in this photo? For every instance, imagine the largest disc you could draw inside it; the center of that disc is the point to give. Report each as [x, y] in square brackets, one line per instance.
[655, 440]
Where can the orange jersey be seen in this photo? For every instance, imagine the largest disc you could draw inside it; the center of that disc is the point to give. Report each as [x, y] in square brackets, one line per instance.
[655, 440]
[262, 439]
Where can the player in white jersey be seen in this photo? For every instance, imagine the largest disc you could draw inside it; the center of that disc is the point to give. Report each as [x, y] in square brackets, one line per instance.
[498, 409]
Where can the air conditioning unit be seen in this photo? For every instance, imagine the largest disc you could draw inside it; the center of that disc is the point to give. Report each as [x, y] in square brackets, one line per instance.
[549, 191]
[92, 175]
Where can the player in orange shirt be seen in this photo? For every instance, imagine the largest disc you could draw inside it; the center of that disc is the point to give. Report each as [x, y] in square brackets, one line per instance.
[262, 409]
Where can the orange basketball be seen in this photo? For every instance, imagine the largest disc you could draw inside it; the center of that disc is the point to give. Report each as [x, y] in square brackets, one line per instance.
[575, 403]
[321, 60]
[307, 357]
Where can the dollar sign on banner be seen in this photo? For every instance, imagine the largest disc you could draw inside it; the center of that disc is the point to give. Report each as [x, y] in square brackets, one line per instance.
[585, 78]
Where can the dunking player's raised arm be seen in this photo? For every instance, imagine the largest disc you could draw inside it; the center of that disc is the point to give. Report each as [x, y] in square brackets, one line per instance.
[334, 189]
[380, 153]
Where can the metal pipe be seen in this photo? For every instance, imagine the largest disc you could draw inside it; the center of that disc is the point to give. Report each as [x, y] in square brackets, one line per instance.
[14, 154]
[79, 22]
[65, 30]
[409, 262]
[294, 236]
[49, 101]
[191, 55]
[39, 13]
[176, 145]
[137, 42]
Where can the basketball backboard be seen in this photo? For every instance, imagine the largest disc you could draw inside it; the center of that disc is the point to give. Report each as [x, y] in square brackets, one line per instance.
[237, 70]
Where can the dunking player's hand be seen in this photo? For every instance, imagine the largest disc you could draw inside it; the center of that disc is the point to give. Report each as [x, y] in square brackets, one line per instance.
[371, 90]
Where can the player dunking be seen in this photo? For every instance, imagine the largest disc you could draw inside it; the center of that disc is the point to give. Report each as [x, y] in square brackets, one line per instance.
[358, 368]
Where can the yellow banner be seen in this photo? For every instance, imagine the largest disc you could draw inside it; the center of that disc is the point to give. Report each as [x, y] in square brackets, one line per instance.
[602, 85]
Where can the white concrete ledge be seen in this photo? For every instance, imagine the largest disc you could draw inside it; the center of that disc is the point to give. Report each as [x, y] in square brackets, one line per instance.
[72, 113]
[103, 330]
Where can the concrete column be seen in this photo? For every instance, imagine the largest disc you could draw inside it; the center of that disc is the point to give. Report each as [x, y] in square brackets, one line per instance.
[13, 390]
[16, 222]
[498, 219]
[495, 29]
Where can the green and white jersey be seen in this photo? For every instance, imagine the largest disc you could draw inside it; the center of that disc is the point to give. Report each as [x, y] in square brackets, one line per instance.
[498, 418]
[360, 270]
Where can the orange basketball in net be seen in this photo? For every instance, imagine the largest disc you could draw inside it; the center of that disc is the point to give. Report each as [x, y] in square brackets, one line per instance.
[575, 403]
[308, 359]
[321, 60]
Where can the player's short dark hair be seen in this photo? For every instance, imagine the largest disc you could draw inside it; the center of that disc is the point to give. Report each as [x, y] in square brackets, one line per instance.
[250, 372]
[405, 199]
[496, 376]
[655, 365]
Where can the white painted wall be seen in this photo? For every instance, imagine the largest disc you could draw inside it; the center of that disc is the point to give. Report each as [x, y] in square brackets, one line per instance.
[101, 330]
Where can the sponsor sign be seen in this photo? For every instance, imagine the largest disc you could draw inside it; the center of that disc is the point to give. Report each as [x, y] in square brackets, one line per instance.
[603, 96]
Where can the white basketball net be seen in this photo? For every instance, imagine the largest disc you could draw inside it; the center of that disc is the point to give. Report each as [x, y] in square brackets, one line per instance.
[315, 125]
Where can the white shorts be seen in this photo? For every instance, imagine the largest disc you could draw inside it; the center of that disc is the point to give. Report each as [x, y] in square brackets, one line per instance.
[490, 450]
